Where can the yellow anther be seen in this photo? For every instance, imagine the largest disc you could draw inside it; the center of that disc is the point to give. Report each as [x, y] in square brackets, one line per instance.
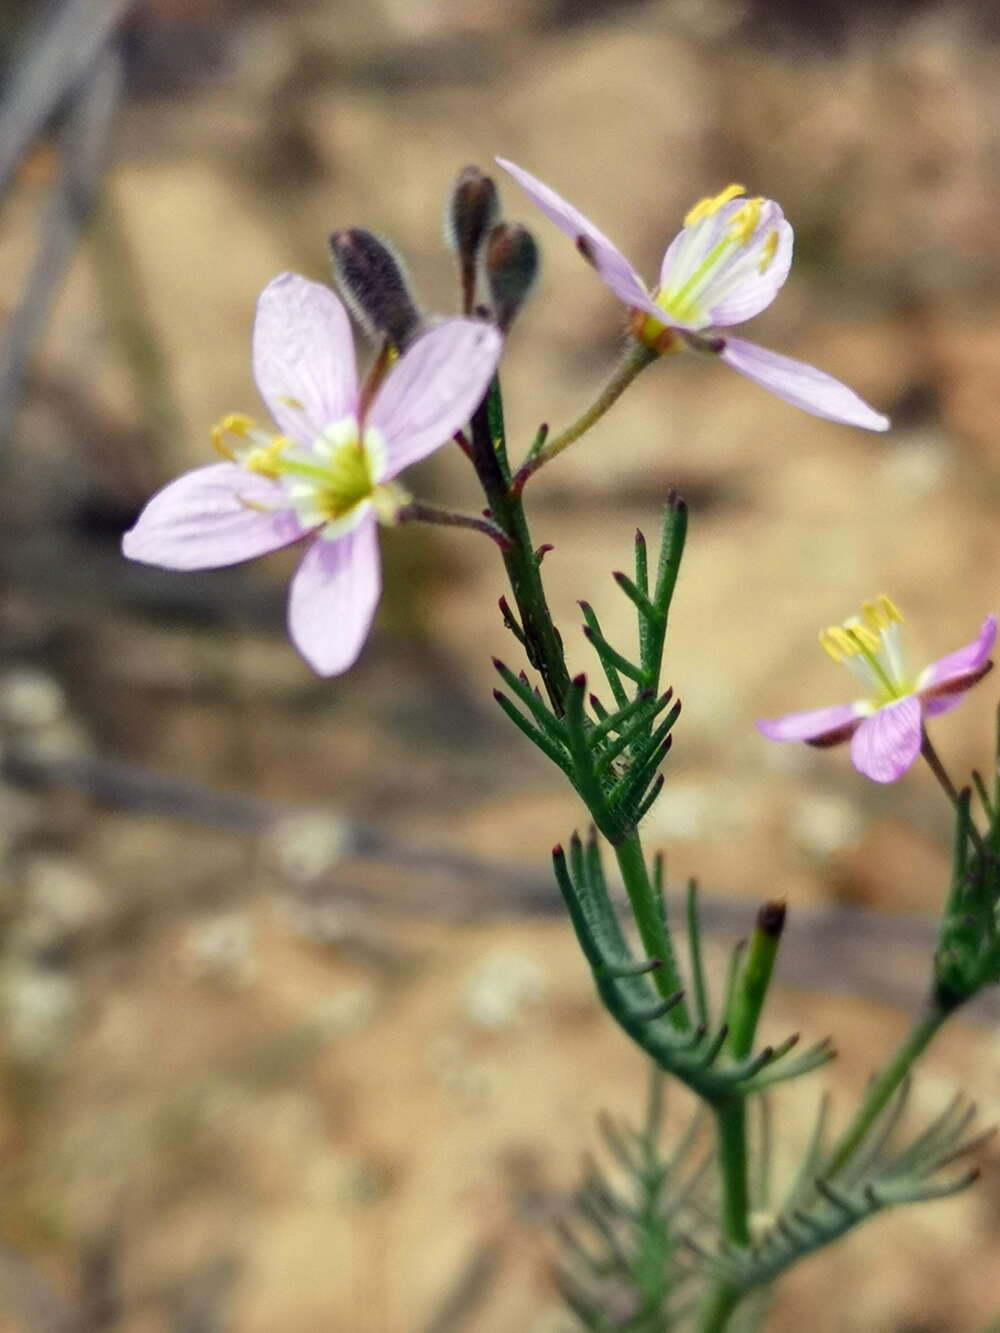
[294, 403]
[767, 252]
[866, 639]
[745, 220]
[881, 613]
[848, 640]
[234, 423]
[889, 608]
[710, 205]
[264, 459]
[838, 643]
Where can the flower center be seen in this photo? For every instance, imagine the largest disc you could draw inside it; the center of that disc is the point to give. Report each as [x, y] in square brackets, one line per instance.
[328, 482]
[871, 646]
[714, 256]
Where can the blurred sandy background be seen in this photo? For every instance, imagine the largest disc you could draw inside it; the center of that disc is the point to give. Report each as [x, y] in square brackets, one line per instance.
[293, 1034]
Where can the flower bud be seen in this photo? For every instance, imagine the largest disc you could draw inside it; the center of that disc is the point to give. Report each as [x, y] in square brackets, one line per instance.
[372, 280]
[472, 209]
[512, 264]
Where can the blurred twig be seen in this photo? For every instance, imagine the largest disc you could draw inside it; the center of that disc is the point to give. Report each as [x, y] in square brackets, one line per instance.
[62, 53]
[130, 328]
[83, 151]
[472, 1286]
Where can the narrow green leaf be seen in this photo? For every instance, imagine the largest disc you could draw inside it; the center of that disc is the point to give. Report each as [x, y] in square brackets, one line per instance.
[585, 779]
[612, 657]
[635, 731]
[616, 721]
[647, 611]
[701, 1007]
[543, 715]
[613, 679]
[538, 738]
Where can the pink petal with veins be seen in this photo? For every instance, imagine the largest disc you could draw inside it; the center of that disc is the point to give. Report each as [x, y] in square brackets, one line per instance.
[801, 385]
[214, 516]
[303, 356]
[820, 726]
[333, 597]
[614, 269]
[958, 671]
[887, 742]
[433, 389]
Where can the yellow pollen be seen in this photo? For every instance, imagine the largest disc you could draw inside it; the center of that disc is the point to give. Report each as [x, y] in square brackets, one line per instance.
[710, 205]
[265, 459]
[234, 423]
[745, 220]
[767, 252]
[880, 613]
[847, 640]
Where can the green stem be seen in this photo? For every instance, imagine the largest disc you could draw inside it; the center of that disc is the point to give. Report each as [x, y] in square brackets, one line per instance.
[542, 642]
[754, 978]
[944, 780]
[720, 1303]
[881, 1089]
[734, 1219]
[749, 990]
[653, 930]
[637, 358]
[722, 1298]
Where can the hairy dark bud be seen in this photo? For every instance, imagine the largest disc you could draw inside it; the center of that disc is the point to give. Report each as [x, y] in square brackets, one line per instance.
[473, 208]
[372, 280]
[512, 264]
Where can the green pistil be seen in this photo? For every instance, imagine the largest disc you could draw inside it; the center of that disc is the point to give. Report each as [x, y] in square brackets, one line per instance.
[890, 687]
[680, 304]
[344, 482]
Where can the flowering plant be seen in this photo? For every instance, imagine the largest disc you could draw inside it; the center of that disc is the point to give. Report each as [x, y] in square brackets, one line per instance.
[663, 1251]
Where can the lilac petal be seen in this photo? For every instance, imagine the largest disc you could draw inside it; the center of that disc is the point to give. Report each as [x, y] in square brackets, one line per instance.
[886, 744]
[433, 389]
[801, 385]
[943, 703]
[614, 269]
[736, 289]
[303, 356]
[751, 289]
[213, 516]
[333, 597]
[819, 726]
[958, 671]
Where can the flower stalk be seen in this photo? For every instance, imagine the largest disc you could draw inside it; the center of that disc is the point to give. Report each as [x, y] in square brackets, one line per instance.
[637, 357]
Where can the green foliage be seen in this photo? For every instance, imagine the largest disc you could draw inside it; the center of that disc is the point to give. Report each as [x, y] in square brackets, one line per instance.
[968, 953]
[696, 1057]
[611, 756]
[819, 1209]
[623, 1268]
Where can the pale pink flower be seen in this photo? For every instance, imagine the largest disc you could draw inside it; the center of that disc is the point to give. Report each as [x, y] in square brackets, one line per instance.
[726, 264]
[325, 475]
[886, 727]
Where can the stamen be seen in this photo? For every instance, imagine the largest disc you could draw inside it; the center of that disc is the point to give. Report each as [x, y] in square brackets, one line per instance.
[745, 220]
[234, 423]
[767, 252]
[848, 640]
[870, 646]
[710, 205]
[882, 612]
[265, 459]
